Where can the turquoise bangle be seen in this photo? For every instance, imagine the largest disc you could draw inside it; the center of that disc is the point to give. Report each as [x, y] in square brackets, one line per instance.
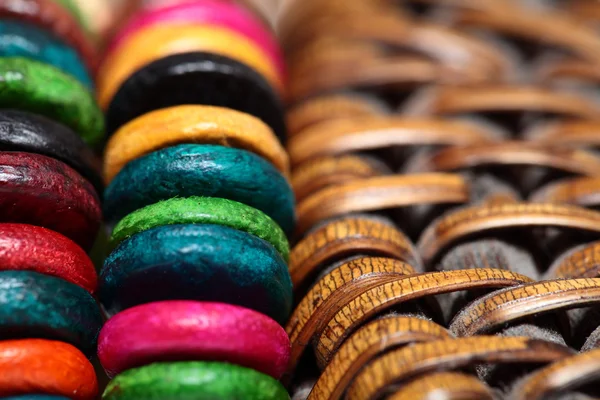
[201, 170]
[203, 210]
[197, 262]
[20, 39]
[34, 305]
[195, 380]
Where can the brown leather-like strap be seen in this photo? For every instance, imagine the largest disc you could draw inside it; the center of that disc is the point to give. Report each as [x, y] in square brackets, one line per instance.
[553, 28]
[346, 237]
[363, 306]
[583, 192]
[573, 133]
[334, 290]
[380, 193]
[411, 361]
[369, 341]
[581, 262]
[511, 153]
[329, 171]
[330, 107]
[506, 305]
[466, 100]
[368, 133]
[568, 373]
[445, 385]
[461, 224]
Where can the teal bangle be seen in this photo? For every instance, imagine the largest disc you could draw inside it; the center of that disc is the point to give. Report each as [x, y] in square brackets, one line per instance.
[194, 380]
[202, 210]
[201, 170]
[197, 262]
[21, 39]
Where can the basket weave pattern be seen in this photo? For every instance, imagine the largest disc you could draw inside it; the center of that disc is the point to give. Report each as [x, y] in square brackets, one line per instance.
[447, 176]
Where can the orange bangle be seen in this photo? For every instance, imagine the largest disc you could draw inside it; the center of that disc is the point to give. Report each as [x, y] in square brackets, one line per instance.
[45, 366]
[192, 124]
[159, 41]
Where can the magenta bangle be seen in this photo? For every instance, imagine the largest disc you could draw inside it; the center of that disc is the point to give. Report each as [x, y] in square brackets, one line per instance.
[191, 330]
[208, 12]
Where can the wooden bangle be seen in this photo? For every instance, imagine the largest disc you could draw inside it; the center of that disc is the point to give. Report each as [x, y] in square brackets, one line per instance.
[320, 173]
[31, 133]
[323, 299]
[50, 15]
[196, 78]
[188, 330]
[202, 210]
[367, 343]
[32, 248]
[41, 191]
[511, 153]
[450, 385]
[201, 170]
[342, 322]
[419, 359]
[559, 376]
[486, 219]
[198, 124]
[506, 305]
[33, 304]
[368, 133]
[45, 366]
[580, 262]
[461, 100]
[344, 237]
[42, 89]
[197, 262]
[380, 193]
[156, 42]
[29, 41]
[194, 379]
[329, 107]
[584, 192]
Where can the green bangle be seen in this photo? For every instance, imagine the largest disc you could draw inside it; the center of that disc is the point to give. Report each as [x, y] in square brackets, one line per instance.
[194, 380]
[40, 88]
[202, 210]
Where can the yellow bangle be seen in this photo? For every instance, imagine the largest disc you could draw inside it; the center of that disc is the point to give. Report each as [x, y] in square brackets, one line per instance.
[159, 41]
[192, 124]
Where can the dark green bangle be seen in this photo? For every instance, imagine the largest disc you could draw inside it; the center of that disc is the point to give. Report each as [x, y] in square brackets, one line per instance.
[34, 305]
[195, 380]
[202, 210]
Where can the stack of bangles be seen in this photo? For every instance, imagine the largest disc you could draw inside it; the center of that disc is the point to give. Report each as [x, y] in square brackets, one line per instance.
[51, 132]
[196, 285]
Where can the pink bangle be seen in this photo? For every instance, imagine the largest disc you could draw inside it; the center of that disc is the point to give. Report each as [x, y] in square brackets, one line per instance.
[208, 12]
[192, 330]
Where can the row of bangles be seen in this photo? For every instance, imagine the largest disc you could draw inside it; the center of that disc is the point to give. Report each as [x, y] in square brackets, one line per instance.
[145, 201]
